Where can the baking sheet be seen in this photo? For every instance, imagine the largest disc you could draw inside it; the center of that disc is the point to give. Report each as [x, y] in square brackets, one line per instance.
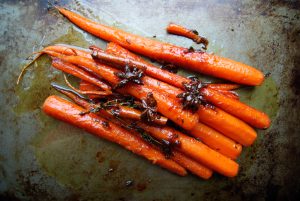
[44, 159]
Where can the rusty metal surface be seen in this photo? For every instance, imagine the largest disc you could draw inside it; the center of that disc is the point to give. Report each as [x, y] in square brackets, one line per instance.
[43, 159]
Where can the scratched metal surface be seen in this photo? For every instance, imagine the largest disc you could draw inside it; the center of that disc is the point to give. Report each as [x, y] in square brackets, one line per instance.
[43, 159]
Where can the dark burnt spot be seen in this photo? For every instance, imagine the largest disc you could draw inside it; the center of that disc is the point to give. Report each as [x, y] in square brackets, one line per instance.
[295, 81]
[8, 196]
[293, 4]
[99, 156]
[141, 186]
[272, 192]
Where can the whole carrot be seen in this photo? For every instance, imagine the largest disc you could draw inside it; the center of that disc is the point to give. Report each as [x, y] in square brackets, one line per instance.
[66, 111]
[242, 111]
[197, 61]
[192, 34]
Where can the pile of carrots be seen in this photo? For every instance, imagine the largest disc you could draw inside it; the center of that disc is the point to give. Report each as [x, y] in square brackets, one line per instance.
[178, 123]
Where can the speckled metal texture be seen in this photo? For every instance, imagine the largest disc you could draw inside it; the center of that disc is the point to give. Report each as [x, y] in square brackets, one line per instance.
[44, 159]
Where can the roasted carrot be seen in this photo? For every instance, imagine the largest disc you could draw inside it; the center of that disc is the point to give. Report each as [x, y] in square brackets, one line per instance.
[192, 34]
[242, 111]
[228, 125]
[69, 112]
[195, 149]
[77, 72]
[216, 140]
[168, 107]
[198, 61]
[191, 165]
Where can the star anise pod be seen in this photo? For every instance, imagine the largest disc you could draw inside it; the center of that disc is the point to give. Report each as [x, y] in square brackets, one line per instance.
[150, 109]
[191, 98]
[133, 75]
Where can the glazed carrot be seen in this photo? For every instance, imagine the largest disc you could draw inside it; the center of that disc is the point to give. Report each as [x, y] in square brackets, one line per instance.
[86, 86]
[242, 111]
[182, 31]
[228, 125]
[194, 149]
[216, 140]
[69, 112]
[191, 165]
[168, 107]
[198, 61]
[77, 72]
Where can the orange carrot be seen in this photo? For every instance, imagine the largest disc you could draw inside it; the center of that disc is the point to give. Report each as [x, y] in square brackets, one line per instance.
[228, 125]
[194, 149]
[77, 72]
[66, 111]
[199, 61]
[182, 31]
